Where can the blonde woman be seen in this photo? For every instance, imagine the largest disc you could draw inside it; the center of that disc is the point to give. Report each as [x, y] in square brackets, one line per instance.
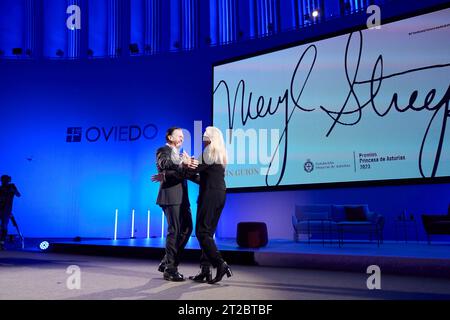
[211, 201]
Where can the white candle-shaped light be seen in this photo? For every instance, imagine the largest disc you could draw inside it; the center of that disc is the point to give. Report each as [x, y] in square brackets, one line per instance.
[115, 224]
[132, 224]
[162, 224]
[148, 224]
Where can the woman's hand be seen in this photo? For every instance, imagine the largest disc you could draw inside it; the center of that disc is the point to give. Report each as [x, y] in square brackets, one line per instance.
[160, 177]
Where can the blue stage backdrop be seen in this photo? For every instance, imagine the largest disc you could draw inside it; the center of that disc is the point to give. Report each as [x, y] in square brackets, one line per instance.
[79, 139]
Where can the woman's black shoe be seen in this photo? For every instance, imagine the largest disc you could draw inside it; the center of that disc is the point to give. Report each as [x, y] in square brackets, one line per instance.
[204, 275]
[222, 270]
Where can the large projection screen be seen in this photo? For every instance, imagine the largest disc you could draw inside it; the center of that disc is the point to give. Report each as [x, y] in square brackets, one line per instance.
[370, 105]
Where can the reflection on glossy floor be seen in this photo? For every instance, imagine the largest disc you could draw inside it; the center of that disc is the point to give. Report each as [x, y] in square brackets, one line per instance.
[35, 275]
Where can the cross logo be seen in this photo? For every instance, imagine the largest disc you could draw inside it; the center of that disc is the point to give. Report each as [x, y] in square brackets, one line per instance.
[74, 134]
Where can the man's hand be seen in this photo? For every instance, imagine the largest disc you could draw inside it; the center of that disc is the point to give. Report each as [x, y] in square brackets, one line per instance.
[189, 162]
[160, 177]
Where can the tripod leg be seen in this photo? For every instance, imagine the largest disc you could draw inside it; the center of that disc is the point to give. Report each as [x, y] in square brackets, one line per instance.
[14, 222]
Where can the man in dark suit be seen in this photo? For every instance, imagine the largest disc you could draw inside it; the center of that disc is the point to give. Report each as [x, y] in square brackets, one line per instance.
[173, 199]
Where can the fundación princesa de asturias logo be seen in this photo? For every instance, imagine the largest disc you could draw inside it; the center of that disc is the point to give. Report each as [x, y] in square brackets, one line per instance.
[308, 166]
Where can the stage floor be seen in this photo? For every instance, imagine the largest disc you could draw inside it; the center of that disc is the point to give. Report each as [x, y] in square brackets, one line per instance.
[411, 258]
[43, 276]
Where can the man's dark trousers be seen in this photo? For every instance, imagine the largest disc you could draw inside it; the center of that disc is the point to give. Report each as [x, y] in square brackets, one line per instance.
[179, 221]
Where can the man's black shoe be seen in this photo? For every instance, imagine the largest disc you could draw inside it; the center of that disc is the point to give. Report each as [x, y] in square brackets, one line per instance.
[173, 276]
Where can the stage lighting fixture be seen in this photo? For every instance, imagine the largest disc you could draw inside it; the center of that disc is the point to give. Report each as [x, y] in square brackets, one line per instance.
[315, 13]
[134, 48]
[44, 245]
[17, 51]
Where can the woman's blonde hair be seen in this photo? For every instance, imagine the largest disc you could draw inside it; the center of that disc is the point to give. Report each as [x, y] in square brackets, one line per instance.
[215, 152]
